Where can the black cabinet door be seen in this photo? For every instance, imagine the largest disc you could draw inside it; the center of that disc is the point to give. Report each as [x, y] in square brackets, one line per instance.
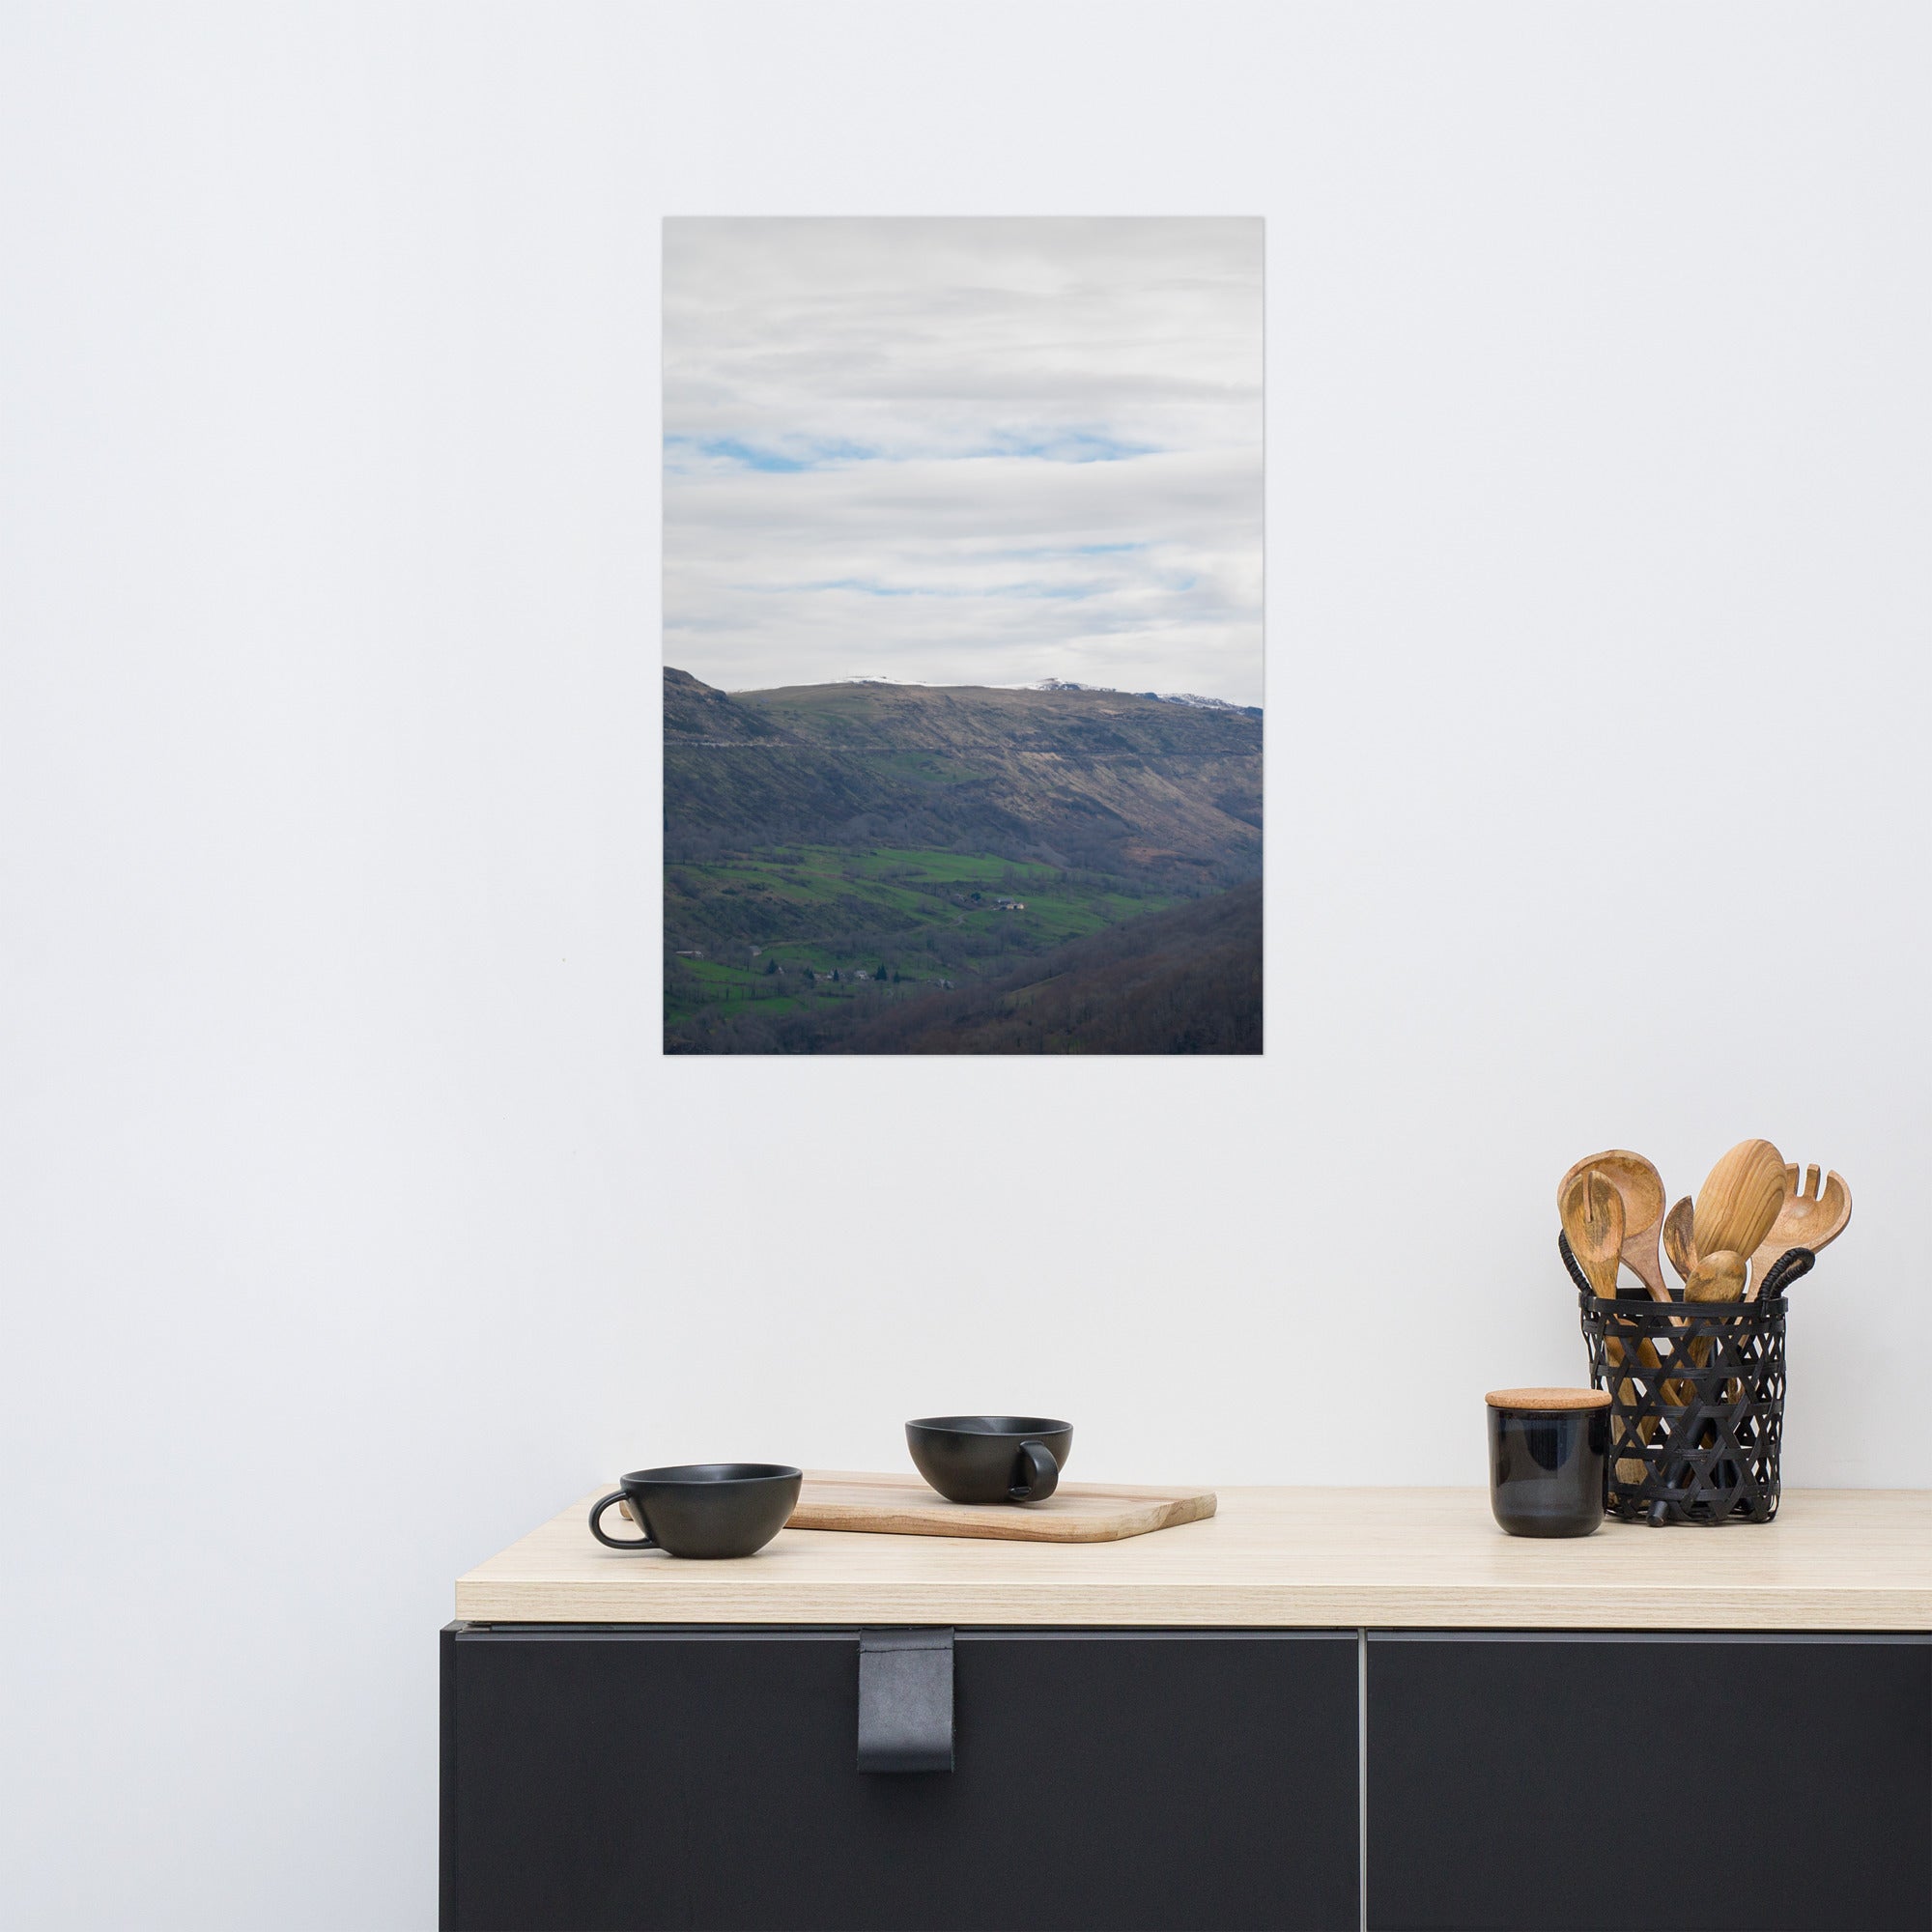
[606, 1779]
[1617, 1782]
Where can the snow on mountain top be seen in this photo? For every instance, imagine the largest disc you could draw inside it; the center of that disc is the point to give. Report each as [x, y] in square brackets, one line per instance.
[1064, 684]
[1158, 697]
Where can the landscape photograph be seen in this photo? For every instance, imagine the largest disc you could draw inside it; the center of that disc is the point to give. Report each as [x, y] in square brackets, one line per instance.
[962, 636]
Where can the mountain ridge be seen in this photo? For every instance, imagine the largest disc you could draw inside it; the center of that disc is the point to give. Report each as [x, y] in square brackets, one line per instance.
[1057, 684]
[1140, 786]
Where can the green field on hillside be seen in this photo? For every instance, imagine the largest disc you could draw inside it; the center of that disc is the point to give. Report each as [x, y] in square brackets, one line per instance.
[767, 930]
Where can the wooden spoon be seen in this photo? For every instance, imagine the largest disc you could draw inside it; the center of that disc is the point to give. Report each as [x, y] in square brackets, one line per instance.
[1680, 1241]
[1641, 1187]
[1717, 1277]
[1593, 1218]
[1808, 1217]
[1739, 1201]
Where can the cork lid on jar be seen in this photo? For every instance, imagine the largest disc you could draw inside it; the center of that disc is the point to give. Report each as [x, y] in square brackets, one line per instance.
[1548, 1401]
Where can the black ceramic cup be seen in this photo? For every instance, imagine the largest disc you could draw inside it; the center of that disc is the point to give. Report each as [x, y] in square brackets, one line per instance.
[702, 1509]
[990, 1459]
[1548, 1459]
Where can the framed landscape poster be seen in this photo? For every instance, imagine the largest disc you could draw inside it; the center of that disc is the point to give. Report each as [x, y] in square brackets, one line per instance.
[962, 622]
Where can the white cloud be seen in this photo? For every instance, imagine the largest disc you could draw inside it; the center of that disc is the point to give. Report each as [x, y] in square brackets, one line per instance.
[964, 452]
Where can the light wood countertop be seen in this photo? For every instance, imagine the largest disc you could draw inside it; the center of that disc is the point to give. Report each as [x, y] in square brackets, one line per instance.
[1834, 1559]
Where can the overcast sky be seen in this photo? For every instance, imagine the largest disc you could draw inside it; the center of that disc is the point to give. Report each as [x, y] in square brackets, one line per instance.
[964, 452]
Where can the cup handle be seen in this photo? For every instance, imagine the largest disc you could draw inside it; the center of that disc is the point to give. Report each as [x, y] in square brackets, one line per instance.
[1041, 1475]
[597, 1509]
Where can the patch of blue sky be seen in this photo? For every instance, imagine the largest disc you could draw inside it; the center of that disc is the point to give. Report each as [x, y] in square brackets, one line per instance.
[771, 458]
[1070, 445]
[790, 456]
[1016, 554]
[865, 588]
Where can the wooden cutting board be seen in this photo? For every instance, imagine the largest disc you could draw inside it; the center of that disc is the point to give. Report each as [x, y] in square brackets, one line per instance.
[1075, 1512]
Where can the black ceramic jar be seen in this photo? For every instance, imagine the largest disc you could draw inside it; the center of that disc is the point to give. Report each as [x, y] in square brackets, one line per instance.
[1548, 1459]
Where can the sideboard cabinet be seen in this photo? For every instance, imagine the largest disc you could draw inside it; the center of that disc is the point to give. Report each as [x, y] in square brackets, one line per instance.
[936, 1736]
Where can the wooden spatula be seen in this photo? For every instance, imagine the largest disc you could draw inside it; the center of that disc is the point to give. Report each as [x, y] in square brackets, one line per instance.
[1738, 1199]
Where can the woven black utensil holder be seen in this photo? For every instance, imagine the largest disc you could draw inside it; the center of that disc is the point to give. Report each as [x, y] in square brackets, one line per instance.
[1696, 1398]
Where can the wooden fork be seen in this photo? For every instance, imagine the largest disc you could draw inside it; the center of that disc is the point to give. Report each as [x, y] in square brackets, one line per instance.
[1808, 1217]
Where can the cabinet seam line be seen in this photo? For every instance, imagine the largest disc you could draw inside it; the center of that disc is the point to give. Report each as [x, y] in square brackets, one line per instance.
[1362, 1776]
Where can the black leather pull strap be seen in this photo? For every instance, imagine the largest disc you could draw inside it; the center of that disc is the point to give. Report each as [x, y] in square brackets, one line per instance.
[905, 1700]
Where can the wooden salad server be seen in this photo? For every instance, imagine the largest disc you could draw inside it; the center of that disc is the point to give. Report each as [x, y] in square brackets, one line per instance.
[1592, 1212]
[1809, 1217]
[1641, 1188]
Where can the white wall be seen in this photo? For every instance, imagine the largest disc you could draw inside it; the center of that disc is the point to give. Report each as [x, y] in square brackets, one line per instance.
[354, 1221]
